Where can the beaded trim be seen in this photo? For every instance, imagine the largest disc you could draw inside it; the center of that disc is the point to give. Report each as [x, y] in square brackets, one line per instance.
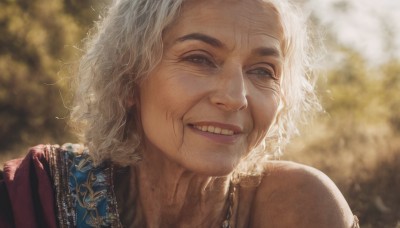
[59, 172]
[231, 200]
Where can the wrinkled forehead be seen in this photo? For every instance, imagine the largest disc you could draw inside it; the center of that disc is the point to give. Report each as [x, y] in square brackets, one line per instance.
[260, 16]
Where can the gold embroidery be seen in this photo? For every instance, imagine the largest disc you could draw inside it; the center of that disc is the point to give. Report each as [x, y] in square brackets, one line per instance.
[86, 194]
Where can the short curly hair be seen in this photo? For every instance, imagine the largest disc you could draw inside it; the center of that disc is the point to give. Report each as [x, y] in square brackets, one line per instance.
[127, 44]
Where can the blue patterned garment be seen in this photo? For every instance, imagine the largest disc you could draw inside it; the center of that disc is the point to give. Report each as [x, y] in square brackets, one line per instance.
[85, 196]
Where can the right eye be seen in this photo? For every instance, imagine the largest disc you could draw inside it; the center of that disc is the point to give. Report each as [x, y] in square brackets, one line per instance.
[199, 59]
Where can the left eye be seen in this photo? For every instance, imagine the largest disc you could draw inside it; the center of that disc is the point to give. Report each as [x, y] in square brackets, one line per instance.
[262, 72]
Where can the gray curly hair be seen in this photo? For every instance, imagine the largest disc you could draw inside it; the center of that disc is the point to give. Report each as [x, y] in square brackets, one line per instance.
[127, 44]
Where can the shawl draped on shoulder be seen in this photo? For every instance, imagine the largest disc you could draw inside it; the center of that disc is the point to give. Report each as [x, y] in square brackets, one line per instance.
[26, 191]
[57, 187]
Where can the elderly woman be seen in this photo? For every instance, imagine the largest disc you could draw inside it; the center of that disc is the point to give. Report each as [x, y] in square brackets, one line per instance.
[179, 105]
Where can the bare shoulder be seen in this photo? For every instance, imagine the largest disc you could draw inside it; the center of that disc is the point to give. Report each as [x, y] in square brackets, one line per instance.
[295, 195]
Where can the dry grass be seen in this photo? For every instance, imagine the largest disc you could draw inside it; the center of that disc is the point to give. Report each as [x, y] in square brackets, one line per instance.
[362, 157]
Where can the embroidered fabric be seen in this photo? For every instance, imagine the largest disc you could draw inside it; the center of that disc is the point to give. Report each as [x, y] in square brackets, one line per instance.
[84, 193]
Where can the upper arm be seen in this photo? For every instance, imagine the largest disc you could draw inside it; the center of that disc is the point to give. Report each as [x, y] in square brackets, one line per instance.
[293, 195]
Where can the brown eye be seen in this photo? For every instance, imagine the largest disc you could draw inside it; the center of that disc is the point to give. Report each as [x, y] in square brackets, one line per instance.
[262, 72]
[199, 59]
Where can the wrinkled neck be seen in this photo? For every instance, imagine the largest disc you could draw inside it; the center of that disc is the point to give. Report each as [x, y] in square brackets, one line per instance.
[176, 195]
[161, 193]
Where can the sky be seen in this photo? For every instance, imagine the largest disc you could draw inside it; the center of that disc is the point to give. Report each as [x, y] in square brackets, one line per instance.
[363, 24]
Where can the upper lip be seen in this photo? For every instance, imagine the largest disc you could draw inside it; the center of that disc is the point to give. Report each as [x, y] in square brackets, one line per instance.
[236, 129]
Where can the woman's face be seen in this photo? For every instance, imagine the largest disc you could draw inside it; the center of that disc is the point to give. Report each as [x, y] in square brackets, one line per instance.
[214, 95]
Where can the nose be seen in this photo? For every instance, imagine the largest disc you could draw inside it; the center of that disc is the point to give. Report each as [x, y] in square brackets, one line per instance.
[230, 93]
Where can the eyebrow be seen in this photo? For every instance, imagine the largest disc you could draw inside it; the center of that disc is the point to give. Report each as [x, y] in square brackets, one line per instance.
[262, 51]
[267, 51]
[201, 37]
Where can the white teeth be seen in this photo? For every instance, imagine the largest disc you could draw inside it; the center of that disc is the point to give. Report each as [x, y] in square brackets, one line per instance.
[215, 130]
[224, 132]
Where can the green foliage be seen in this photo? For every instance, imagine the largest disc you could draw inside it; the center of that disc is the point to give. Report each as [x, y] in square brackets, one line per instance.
[391, 93]
[356, 140]
[38, 39]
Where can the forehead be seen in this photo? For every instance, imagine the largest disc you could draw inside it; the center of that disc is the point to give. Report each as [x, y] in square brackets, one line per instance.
[248, 17]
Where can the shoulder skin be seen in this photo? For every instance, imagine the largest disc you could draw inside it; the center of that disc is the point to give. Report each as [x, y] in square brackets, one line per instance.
[295, 195]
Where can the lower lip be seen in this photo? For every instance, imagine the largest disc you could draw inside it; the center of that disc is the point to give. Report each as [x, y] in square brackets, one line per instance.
[223, 139]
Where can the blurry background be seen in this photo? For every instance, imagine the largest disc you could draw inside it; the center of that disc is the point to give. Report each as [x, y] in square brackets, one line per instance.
[356, 141]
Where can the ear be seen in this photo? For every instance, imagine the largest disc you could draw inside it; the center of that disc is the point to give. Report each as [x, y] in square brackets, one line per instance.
[133, 99]
[130, 102]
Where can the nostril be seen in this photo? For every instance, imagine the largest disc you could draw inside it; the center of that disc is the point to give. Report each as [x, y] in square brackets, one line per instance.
[230, 104]
[230, 95]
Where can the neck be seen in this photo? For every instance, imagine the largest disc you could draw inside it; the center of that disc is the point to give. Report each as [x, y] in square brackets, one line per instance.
[170, 194]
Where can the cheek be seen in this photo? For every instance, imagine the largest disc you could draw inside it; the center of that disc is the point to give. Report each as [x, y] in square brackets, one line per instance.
[163, 109]
[264, 113]
[156, 111]
[159, 109]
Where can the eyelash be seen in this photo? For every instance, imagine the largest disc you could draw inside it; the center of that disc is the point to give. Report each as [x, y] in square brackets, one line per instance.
[265, 72]
[199, 59]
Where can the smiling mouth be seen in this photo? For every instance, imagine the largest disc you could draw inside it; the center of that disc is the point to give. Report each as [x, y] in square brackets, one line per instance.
[214, 129]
